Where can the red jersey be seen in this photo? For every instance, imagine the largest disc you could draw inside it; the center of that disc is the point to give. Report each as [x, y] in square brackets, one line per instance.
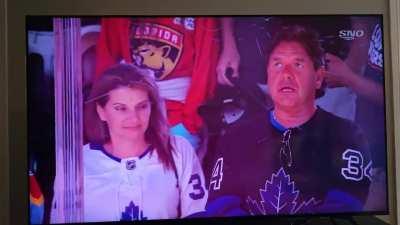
[172, 47]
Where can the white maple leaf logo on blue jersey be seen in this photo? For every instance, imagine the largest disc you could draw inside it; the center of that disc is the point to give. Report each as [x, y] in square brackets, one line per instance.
[132, 213]
[280, 197]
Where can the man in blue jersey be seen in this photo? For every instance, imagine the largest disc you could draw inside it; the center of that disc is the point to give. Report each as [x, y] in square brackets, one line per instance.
[295, 158]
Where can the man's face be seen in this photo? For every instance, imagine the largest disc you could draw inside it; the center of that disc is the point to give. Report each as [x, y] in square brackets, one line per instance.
[292, 79]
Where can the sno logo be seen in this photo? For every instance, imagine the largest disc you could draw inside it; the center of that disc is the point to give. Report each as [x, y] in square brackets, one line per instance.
[350, 35]
[132, 213]
[280, 196]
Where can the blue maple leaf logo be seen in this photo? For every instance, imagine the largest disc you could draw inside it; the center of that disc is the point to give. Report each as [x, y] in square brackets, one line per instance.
[280, 197]
[132, 213]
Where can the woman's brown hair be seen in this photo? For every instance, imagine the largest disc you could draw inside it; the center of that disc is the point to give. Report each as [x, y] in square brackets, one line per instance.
[124, 75]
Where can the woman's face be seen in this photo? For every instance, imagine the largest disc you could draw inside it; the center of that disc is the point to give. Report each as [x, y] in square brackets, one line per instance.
[127, 112]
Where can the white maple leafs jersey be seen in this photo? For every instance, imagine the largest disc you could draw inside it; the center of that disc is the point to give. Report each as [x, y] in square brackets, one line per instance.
[140, 188]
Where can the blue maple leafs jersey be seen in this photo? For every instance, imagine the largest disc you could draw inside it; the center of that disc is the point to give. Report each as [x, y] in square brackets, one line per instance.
[261, 168]
[139, 188]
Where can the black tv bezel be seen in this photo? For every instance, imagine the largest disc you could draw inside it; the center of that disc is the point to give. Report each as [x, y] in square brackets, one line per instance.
[13, 99]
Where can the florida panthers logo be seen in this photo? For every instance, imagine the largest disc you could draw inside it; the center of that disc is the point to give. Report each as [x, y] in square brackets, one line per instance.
[156, 47]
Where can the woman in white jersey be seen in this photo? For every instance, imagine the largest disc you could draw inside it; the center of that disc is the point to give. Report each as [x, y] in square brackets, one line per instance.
[133, 168]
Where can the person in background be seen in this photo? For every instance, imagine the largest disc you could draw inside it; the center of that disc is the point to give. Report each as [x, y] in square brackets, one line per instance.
[245, 41]
[240, 75]
[370, 108]
[182, 52]
[36, 200]
[342, 92]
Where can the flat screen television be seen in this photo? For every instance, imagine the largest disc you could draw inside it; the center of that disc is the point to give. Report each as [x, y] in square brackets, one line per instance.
[188, 118]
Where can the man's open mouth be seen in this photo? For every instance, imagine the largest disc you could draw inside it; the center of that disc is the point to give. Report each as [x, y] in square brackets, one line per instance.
[287, 89]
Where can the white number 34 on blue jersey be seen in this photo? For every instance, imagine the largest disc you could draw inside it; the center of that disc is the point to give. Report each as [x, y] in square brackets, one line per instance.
[355, 169]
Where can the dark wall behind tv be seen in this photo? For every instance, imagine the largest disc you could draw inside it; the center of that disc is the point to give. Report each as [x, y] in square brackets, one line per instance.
[13, 120]
[4, 165]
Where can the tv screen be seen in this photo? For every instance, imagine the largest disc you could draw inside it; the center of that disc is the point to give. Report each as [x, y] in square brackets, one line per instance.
[188, 118]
